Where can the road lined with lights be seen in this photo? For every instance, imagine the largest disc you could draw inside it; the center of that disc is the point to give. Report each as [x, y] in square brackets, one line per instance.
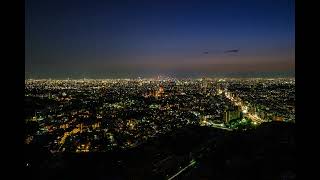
[238, 102]
[193, 162]
[254, 118]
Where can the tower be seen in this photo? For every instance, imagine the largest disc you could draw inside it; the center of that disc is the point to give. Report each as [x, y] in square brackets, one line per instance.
[226, 116]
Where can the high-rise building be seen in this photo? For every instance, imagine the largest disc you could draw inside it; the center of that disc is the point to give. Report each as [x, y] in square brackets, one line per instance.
[226, 116]
[231, 115]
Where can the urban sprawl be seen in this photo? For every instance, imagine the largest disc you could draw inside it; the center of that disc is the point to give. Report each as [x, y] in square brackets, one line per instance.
[90, 115]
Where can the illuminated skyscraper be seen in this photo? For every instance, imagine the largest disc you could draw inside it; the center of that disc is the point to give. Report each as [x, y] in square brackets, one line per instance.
[226, 116]
[231, 115]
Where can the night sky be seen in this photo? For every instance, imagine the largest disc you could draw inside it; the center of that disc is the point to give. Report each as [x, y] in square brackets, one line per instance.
[183, 38]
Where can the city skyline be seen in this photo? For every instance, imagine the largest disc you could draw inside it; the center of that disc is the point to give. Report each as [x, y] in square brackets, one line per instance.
[159, 89]
[145, 108]
[123, 39]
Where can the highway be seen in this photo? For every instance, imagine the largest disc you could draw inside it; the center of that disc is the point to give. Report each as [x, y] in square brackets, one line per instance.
[254, 118]
[186, 167]
[238, 102]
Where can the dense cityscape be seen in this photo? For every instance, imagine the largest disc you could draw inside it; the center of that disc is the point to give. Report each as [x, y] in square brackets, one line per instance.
[174, 127]
[97, 115]
[169, 90]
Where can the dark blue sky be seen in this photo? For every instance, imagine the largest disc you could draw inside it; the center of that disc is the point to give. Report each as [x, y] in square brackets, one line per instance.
[78, 38]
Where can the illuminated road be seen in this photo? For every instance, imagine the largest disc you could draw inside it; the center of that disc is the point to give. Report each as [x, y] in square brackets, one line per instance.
[254, 118]
[191, 164]
[238, 102]
[66, 134]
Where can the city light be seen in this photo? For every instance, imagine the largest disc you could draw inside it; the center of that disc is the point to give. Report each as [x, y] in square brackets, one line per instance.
[137, 109]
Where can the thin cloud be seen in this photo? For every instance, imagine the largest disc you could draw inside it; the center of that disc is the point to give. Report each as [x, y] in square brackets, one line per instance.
[232, 51]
